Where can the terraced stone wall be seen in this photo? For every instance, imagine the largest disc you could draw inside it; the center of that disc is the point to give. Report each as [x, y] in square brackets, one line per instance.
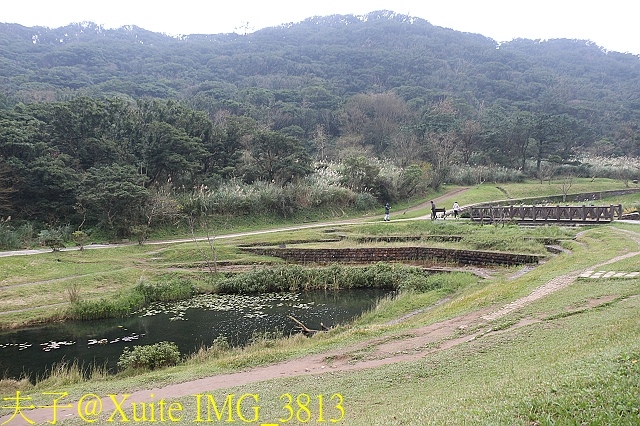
[395, 254]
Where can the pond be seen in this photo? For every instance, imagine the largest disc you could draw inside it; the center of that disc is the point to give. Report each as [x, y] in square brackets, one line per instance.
[191, 324]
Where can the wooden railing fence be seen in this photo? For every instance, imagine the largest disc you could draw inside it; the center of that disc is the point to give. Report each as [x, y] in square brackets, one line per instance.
[570, 214]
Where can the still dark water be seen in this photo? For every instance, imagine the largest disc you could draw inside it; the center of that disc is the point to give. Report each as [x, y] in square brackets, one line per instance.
[191, 324]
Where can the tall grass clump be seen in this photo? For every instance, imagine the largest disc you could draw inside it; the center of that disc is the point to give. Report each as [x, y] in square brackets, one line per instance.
[266, 198]
[322, 190]
[127, 302]
[622, 167]
[165, 292]
[73, 293]
[106, 308]
[10, 386]
[219, 346]
[334, 277]
[476, 175]
[15, 237]
[66, 373]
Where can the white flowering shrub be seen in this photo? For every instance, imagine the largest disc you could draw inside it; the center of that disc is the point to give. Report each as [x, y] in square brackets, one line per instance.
[324, 189]
[624, 168]
[475, 175]
[237, 198]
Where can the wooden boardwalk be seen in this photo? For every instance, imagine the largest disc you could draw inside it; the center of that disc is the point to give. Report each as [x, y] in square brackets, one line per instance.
[568, 215]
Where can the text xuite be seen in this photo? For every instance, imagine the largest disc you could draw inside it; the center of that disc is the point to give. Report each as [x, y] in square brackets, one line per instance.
[203, 408]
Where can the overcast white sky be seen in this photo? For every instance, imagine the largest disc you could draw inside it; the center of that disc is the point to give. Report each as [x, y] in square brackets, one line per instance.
[612, 24]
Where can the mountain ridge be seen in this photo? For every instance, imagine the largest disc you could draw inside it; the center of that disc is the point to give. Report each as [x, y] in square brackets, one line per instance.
[338, 55]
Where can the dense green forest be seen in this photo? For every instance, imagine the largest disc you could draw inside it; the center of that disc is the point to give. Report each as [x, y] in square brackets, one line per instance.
[122, 129]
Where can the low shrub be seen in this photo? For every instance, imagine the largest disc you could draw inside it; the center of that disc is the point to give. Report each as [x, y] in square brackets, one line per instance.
[80, 238]
[365, 201]
[151, 357]
[55, 238]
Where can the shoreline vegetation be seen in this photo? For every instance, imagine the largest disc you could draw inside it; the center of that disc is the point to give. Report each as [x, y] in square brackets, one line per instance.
[405, 279]
[282, 278]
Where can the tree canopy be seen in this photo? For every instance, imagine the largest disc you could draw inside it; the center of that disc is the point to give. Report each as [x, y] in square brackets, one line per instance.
[86, 112]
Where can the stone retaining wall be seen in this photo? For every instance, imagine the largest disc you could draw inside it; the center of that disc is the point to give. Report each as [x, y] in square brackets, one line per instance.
[405, 238]
[397, 254]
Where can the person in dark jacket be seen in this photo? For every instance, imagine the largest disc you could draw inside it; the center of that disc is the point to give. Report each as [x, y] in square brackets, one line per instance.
[433, 210]
[387, 208]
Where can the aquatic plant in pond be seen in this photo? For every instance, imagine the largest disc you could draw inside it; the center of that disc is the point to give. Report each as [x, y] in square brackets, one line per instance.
[249, 306]
[192, 324]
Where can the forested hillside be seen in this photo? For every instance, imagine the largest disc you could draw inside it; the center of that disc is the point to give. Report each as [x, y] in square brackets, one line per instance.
[82, 104]
[315, 64]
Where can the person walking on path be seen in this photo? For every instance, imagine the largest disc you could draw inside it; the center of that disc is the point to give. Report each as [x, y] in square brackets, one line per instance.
[387, 208]
[433, 210]
[456, 208]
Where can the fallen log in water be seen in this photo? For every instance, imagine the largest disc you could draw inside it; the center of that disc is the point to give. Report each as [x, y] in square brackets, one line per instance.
[306, 330]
